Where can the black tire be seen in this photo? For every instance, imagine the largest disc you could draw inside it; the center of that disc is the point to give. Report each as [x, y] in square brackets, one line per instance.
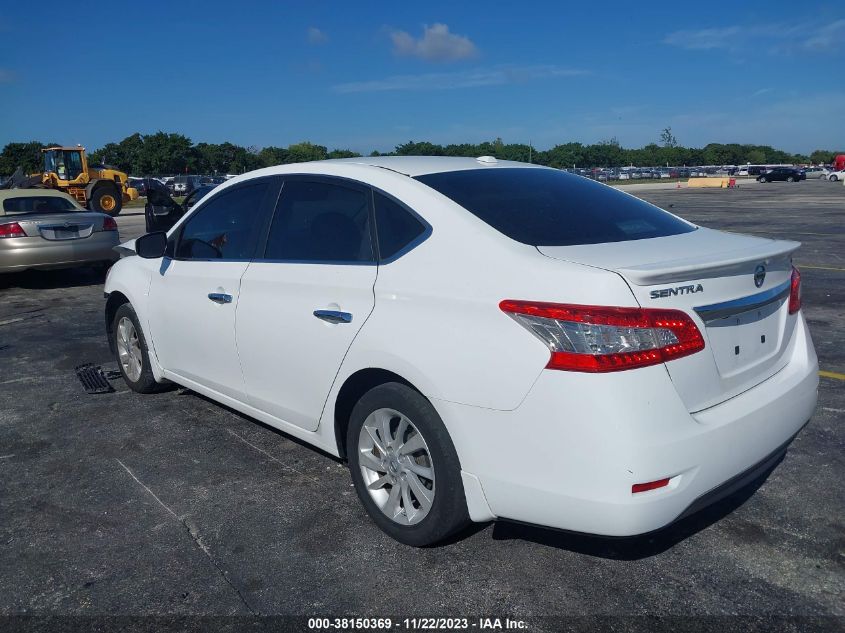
[106, 199]
[790, 179]
[448, 513]
[761, 179]
[146, 382]
[834, 178]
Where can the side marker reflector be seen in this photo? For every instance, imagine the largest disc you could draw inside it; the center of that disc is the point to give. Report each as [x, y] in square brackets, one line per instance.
[651, 485]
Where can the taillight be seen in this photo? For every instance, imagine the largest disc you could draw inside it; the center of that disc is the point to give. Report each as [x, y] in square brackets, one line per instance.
[602, 339]
[109, 224]
[795, 291]
[12, 229]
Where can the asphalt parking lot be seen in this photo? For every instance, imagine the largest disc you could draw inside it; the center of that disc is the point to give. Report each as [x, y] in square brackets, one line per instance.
[124, 504]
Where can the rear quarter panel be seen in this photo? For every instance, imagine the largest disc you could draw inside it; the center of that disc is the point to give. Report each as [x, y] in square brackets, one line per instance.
[437, 321]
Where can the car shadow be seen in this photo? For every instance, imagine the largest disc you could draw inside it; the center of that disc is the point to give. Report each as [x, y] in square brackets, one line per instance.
[633, 547]
[184, 391]
[50, 279]
[614, 548]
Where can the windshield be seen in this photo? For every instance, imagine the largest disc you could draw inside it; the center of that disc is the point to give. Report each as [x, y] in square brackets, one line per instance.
[66, 164]
[547, 207]
[38, 204]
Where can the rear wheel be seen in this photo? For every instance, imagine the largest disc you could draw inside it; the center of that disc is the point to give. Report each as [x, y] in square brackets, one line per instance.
[131, 348]
[404, 466]
[106, 199]
[790, 179]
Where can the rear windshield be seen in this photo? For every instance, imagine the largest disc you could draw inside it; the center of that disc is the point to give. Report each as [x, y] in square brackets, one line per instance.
[547, 207]
[37, 204]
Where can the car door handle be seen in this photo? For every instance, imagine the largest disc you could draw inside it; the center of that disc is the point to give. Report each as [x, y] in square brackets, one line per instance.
[220, 297]
[333, 316]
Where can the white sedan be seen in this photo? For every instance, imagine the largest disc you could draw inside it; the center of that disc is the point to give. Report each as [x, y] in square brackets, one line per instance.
[835, 176]
[479, 339]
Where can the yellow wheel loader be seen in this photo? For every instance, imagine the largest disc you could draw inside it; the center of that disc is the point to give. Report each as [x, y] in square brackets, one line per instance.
[66, 169]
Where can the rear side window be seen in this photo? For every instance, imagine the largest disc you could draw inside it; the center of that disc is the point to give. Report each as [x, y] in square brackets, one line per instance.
[396, 226]
[320, 222]
[37, 204]
[547, 207]
[226, 227]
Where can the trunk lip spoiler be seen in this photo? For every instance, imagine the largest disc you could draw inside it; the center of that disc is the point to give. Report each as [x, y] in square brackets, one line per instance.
[724, 309]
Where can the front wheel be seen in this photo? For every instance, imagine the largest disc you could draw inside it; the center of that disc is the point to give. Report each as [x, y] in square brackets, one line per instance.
[761, 179]
[834, 178]
[131, 347]
[404, 466]
[106, 199]
[790, 179]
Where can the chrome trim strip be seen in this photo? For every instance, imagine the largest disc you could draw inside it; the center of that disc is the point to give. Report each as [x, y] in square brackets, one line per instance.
[716, 311]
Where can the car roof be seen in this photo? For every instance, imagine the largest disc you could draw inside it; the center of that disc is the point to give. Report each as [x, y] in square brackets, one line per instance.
[6, 194]
[421, 165]
[34, 193]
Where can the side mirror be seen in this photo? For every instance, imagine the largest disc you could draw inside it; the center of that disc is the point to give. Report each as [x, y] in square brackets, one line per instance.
[151, 245]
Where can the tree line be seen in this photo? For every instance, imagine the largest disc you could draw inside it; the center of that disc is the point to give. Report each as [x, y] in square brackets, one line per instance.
[170, 153]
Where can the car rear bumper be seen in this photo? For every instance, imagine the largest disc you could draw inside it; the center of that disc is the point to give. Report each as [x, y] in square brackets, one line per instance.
[568, 455]
[18, 254]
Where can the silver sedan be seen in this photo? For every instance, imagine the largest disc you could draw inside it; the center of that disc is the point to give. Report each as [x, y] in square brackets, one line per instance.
[42, 228]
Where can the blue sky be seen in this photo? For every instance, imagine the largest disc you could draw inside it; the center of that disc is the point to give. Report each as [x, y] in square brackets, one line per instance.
[369, 75]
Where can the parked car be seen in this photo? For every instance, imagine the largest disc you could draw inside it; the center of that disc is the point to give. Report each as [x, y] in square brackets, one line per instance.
[478, 339]
[47, 229]
[139, 184]
[183, 185]
[816, 172]
[161, 211]
[836, 175]
[788, 174]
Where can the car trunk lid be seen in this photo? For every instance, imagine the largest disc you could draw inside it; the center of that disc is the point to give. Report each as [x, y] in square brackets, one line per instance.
[735, 287]
[59, 227]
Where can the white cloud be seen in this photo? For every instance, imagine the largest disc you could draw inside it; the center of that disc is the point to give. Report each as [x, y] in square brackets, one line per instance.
[437, 44]
[781, 38]
[475, 78]
[316, 36]
[827, 38]
[704, 39]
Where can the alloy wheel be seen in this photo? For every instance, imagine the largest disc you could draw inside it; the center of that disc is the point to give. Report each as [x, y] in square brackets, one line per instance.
[396, 466]
[129, 349]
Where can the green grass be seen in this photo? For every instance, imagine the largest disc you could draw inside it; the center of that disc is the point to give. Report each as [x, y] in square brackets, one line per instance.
[139, 203]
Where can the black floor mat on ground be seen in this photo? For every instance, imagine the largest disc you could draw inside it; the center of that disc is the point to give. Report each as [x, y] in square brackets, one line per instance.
[93, 379]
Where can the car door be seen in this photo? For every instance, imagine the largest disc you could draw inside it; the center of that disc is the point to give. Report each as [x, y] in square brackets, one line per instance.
[194, 295]
[304, 301]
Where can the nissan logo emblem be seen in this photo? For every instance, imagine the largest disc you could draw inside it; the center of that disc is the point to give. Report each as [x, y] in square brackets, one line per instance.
[759, 275]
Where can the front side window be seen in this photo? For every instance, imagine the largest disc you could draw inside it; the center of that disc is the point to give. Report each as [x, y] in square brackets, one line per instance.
[396, 226]
[320, 222]
[38, 204]
[226, 227]
[547, 207]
